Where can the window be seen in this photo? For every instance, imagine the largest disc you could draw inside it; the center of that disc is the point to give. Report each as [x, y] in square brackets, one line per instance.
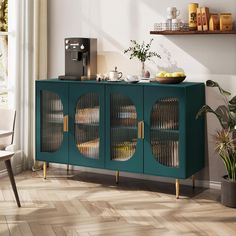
[3, 53]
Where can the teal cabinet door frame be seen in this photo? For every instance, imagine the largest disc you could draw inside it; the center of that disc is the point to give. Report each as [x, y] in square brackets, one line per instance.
[61, 90]
[151, 166]
[134, 94]
[76, 93]
[195, 129]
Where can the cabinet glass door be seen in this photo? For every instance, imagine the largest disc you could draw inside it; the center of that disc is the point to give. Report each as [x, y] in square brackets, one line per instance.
[87, 125]
[51, 138]
[51, 121]
[87, 119]
[163, 132]
[124, 148]
[164, 128]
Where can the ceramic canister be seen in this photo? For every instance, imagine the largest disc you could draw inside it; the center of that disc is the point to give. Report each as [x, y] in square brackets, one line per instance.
[192, 9]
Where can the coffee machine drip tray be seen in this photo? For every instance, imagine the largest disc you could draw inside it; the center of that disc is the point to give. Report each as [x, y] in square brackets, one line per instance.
[71, 77]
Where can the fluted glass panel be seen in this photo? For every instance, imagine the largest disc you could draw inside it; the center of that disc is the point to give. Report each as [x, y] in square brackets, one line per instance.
[123, 118]
[165, 132]
[87, 125]
[51, 121]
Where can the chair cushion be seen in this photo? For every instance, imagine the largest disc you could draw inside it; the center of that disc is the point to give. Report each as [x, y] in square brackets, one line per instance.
[5, 155]
[7, 122]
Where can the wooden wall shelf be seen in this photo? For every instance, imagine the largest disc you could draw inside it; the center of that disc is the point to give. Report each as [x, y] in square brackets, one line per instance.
[191, 32]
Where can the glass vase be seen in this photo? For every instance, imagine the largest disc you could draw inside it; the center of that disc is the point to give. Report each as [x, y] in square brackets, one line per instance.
[143, 69]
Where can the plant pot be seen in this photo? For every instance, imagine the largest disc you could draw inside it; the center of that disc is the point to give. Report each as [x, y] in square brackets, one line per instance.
[228, 192]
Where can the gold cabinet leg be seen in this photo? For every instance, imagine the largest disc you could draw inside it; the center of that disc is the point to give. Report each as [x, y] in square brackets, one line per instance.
[68, 168]
[45, 170]
[117, 176]
[177, 188]
[193, 181]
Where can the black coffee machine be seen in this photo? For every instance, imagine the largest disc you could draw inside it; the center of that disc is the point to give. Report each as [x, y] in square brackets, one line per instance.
[80, 59]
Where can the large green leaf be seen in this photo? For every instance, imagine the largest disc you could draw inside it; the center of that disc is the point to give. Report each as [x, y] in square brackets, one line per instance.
[233, 101]
[207, 109]
[223, 112]
[232, 123]
[232, 107]
[211, 83]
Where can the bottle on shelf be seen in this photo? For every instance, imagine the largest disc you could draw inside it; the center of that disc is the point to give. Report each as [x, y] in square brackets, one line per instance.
[192, 8]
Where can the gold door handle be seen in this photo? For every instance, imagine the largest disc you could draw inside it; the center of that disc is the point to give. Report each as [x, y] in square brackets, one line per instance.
[65, 123]
[141, 130]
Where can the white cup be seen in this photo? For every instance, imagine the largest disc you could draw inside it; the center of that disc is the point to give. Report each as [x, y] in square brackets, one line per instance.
[172, 13]
[115, 75]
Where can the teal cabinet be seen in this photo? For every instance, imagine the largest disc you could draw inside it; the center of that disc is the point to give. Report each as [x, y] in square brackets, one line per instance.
[141, 128]
[51, 115]
[174, 139]
[124, 111]
[86, 125]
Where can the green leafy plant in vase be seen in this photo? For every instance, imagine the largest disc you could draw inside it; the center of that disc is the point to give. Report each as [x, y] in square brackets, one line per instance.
[225, 142]
[141, 52]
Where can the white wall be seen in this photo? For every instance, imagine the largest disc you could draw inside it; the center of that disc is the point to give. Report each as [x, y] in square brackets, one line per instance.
[115, 22]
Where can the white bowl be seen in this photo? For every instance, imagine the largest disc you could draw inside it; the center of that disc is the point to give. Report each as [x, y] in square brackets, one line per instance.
[130, 78]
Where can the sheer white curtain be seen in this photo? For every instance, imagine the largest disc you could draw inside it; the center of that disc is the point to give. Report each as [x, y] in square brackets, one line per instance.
[27, 63]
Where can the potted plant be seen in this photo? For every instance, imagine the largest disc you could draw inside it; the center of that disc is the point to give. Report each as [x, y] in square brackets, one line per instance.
[141, 52]
[225, 142]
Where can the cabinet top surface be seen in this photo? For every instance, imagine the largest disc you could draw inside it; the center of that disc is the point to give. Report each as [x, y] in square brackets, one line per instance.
[183, 84]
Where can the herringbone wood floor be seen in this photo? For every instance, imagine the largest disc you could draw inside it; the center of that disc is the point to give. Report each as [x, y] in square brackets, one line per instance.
[92, 204]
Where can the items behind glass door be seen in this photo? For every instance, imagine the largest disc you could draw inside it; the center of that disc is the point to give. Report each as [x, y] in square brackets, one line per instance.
[87, 125]
[165, 132]
[80, 59]
[90, 149]
[123, 127]
[51, 122]
[164, 127]
[87, 131]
